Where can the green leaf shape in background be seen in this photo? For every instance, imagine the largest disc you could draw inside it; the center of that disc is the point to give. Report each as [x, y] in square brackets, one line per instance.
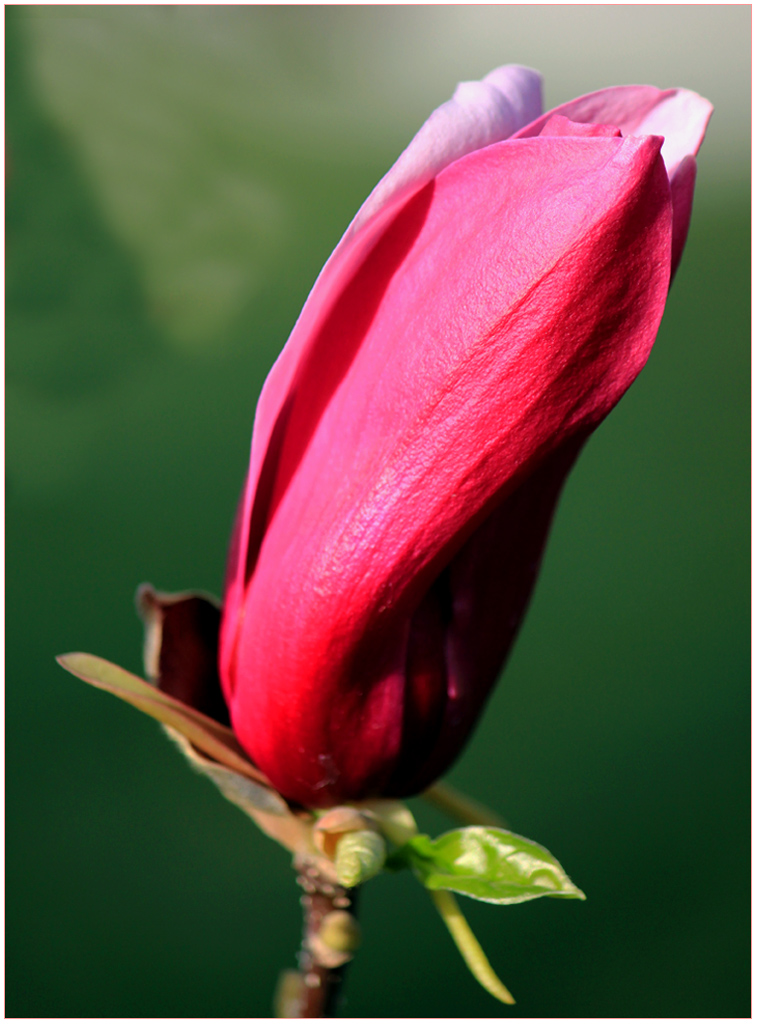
[488, 864]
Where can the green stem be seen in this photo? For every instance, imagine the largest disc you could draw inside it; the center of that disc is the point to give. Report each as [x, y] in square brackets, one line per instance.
[461, 807]
[468, 945]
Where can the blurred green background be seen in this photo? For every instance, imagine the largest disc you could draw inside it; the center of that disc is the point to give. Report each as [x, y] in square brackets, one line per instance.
[176, 178]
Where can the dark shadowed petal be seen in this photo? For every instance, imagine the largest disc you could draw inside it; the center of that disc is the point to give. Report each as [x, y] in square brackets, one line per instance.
[489, 582]
[181, 648]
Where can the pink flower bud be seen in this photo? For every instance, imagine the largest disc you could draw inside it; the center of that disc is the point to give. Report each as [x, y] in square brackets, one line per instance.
[491, 302]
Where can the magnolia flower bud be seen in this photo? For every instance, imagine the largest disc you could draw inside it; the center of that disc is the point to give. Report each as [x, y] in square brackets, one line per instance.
[489, 305]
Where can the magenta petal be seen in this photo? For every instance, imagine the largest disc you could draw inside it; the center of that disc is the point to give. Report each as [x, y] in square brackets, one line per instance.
[490, 582]
[557, 125]
[678, 115]
[490, 303]
[479, 114]
[499, 316]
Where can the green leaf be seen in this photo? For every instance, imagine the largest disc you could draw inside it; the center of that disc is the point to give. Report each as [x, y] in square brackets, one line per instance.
[488, 864]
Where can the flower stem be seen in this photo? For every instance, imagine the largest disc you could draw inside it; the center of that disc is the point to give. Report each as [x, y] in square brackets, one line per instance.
[468, 945]
[329, 939]
[461, 807]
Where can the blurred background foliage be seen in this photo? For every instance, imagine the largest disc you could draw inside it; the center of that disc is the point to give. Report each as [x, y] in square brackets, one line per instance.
[176, 178]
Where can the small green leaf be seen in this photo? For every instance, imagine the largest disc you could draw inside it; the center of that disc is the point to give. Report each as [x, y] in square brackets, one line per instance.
[487, 864]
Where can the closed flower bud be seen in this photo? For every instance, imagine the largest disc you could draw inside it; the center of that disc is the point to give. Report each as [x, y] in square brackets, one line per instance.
[491, 302]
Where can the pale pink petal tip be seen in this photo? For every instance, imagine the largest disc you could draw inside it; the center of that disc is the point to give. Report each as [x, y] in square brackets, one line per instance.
[478, 115]
[522, 88]
[681, 118]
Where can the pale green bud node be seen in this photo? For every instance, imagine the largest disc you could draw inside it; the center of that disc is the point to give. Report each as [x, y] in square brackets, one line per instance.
[340, 931]
[359, 856]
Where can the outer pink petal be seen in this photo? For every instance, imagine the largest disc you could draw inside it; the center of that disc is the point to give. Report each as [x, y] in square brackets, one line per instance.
[479, 114]
[513, 328]
[679, 115]
[682, 194]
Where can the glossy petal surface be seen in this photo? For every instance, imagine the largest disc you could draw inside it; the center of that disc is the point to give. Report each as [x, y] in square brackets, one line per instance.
[678, 115]
[493, 323]
[479, 114]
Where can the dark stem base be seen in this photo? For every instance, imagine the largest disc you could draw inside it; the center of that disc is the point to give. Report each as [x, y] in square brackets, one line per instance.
[313, 990]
